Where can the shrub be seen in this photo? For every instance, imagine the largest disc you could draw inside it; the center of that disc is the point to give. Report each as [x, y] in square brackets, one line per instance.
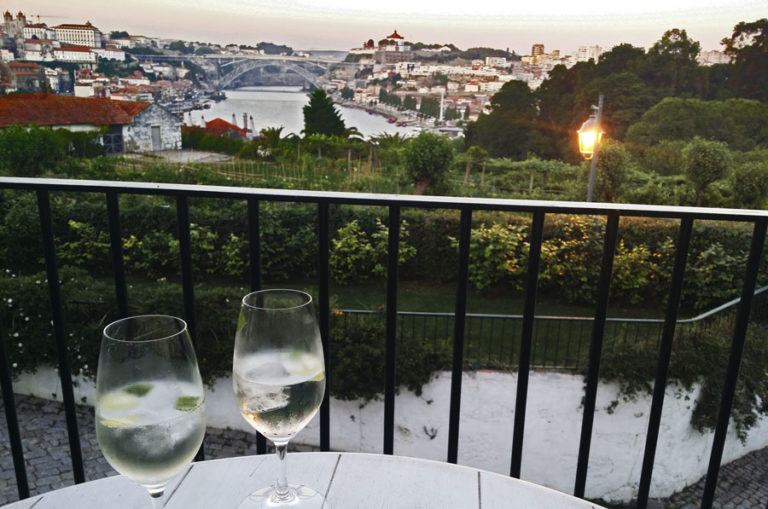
[357, 358]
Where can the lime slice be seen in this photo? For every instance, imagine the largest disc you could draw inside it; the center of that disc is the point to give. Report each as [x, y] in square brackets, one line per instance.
[186, 403]
[118, 400]
[121, 422]
[305, 364]
[139, 389]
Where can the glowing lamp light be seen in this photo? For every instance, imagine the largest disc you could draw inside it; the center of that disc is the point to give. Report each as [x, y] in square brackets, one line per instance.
[589, 136]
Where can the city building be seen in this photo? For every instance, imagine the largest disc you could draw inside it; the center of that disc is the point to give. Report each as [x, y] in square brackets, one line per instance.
[713, 57]
[78, 54]
[587, 53]
[79, 35]
[38, 30]
[537, 49]
[14, 28]
[392, 49]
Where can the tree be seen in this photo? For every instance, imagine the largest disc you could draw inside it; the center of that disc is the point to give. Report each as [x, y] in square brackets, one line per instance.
[473, 155]
[749, 183]
[409, 103]
[181, 47]
[748, 48]
[321, 116]
[671, 67]
[705, 162]
[347, 93]
[118, 34]
[612, 165]
[428, 157]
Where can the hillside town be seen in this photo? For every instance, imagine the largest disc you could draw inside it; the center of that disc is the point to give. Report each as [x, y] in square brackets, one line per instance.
[436, 86]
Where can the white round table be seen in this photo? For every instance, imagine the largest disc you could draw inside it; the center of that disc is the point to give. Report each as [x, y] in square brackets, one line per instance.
[350, 480]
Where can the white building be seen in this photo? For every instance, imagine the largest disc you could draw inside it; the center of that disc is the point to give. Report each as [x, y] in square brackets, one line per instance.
[587, 53]
[78, 35]
[110, 53]
[39, 30]
[6, 55]
[712, 58]
[79, 54]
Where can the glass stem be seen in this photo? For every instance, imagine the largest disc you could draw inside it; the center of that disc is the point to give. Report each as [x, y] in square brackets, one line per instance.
[157, 499]
[282, 492]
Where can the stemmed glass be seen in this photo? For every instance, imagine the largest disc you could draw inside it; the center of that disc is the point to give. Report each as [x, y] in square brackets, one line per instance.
[150, 403]
[279, 381]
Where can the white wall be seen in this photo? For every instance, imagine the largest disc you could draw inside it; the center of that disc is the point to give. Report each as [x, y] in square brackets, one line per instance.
[552, 429]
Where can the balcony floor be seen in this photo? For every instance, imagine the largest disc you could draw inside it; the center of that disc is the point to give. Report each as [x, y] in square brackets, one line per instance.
[741, 484]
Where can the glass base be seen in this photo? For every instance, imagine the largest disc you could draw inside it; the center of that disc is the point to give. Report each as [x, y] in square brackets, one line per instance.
[300, 497]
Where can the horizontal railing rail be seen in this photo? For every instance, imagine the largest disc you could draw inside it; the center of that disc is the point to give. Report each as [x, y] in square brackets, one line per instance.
[462, 320]
[559, 341]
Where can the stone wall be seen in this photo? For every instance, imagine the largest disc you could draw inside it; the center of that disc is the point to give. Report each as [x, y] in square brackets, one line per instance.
[138, 136]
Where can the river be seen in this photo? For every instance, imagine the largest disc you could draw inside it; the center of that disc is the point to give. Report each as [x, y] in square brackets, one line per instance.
[282, 106]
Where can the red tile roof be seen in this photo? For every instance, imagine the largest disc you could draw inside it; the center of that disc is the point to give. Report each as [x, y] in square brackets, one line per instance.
[222, 127]
[81, 49]
[395, 35]
[53, 110]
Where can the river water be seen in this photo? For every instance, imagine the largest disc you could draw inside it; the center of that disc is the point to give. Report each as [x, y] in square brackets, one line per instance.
[282, 106]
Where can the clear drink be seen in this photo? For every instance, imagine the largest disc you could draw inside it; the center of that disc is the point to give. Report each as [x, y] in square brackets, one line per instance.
[148, 431]
[278, 393]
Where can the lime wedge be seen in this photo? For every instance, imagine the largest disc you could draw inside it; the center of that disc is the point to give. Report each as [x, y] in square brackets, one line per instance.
[139, 389]
[118, 400]
[121, 422]
[305, 364]
[187, 403]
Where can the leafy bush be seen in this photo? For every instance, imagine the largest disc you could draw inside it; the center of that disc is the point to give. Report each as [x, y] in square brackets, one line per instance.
[357, 358]
[699, 356]
[356, 255]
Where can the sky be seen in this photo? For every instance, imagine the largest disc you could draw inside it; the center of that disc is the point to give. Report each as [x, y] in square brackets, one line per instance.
[344, 24]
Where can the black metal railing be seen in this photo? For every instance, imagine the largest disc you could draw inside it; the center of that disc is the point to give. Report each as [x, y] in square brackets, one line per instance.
[559, 342]
[466, 206]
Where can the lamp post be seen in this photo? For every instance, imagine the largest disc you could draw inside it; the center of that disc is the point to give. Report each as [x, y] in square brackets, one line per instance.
[589, 140]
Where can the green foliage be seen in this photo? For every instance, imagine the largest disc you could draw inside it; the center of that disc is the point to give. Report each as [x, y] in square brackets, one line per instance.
[741, 123]
[357, 358]
[356, 255]
[321, 116]
[705, 162]
[612, 166]
[30, 151]
[748, 47]
[429, 107]
[749, 183]
[699, 359]
[181, 47]
[347, 93]
[497, 253]
[428, 157]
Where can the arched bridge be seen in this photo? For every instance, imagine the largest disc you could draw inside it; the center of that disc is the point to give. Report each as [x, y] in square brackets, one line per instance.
[232, 68]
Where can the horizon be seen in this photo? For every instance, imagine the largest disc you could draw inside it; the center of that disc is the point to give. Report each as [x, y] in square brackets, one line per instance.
[333, 25]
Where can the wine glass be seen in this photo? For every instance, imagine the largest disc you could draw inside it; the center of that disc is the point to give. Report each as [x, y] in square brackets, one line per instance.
[150, 403]
[279, 381]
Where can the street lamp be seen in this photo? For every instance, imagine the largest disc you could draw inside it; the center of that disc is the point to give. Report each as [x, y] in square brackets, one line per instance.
[589, 141]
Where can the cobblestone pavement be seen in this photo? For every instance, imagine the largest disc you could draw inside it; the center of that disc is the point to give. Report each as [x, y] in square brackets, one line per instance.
[743, 484]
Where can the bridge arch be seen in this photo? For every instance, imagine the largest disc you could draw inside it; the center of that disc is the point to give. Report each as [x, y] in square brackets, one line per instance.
[238, 68]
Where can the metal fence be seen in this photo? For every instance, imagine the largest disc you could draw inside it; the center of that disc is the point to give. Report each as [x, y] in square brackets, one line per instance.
[559, 342]
[598, 328]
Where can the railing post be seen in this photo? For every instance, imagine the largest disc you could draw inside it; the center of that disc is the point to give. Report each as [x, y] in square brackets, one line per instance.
[118, 265]
[254, 267]
[734, 362]
[458, 335]
[187, 282]
[665, 354]
[595, 351]
[393, 256]
[14, 435]
[526, 341]
[324, 314]
[52, 272]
